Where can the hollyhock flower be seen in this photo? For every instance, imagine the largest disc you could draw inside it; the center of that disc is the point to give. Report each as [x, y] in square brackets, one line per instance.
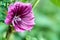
[21, 16]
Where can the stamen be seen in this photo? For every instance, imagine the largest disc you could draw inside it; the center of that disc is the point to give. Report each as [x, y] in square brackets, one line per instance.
[17, 18]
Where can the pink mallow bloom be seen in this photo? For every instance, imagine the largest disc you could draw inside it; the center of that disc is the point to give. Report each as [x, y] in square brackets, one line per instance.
[21, 16]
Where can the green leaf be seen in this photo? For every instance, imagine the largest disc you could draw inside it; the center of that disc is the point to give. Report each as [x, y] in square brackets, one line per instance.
[7, 0]
[24, 0]
[30, 38]
[3, 27]
[2, 14]
[17, 36]
[56, 2]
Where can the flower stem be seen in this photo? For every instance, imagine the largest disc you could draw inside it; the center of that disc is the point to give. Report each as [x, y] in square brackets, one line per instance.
[35, 3]
[9, 31]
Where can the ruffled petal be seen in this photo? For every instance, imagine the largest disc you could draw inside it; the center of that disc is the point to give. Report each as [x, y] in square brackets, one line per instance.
[28, 19]
[23, 8]
[10, 15]
[27, 10]
[26, 27]
[17, 27]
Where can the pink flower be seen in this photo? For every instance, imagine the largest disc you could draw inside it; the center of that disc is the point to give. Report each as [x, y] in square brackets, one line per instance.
[21, 16]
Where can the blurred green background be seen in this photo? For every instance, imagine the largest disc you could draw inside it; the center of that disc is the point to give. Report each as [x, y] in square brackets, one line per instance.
[47, 21]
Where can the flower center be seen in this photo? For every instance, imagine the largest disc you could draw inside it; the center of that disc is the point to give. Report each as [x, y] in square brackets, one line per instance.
[17, 18]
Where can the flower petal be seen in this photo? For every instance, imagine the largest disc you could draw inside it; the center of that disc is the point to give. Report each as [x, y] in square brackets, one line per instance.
[10, 15]
[17, 27]
[28, 19]
[27, 10]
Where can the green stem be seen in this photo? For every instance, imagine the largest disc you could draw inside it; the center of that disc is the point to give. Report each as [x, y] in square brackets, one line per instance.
[35, 3]
[9, 31]
[6, 5]
[14, 1]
